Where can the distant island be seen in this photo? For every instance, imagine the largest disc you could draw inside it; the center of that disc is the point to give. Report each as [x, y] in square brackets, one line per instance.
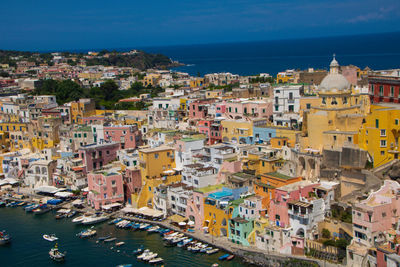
[135, 58]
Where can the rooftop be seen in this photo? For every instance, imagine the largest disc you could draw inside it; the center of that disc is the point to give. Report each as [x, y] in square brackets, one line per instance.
[209, 188]
[279, 175]
[155, 149]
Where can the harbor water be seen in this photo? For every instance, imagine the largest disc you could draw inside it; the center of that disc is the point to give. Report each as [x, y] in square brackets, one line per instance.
[28, 248]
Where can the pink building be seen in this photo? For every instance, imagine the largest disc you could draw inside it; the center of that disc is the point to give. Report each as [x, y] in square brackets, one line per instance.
[220, 108]
[105, 188]
[198, 109]
[238, 108]
[212, 129]
[93, 120]
[279, 211]
[132, 182]
[95, 156]
[377, 214]
[129, 136]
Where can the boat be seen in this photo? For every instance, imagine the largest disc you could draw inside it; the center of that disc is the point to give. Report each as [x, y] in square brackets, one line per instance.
[153, 229]
[144, 254]
[60, 216]
[2, 204]
[56, 255]
[138, 251]
[117, 220]
[224, 257]
[144, 226]
[50, 238]
[110, 239]
[41, 209]
[79, 219]
[31, 207]
[215, 265]
[87, 233]
[212, 251]
[103, 238]
[151, 256]
[156, 260]
[22, 203]
[94, 219]
[119, 244]
[230, 257]
[71, 214]
[4, 238]
[125, 265]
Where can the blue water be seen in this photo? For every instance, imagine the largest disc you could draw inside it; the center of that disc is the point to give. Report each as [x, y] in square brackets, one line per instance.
[377, 51]
[28, 248]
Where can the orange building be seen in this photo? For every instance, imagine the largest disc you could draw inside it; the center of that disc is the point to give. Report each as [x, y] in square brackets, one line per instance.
[266, 184]
[279, 142]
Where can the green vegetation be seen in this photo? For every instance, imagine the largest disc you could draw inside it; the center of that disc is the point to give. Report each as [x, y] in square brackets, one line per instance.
[342, 215]
[106, 96]
[326, 233]
[259, 79]
[339, 243]
[227, 88]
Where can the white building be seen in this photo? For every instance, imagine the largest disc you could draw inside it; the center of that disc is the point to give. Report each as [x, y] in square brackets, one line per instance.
[40, 173]
[287, 105]
[250, 208]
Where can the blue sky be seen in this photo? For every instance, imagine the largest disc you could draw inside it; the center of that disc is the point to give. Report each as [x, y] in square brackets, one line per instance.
[84, 24]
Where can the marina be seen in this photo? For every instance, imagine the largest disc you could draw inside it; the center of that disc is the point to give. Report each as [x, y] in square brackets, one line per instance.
[86, 251]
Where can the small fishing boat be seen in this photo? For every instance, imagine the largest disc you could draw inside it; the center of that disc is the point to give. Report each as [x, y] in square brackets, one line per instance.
[56, 255]
[156, 260]
[60, 216]
[153, 229]
[103, 238]
[50, 238]
[145, 253]
[42, 209]
[224, 257]
[110, 239]
[119, 244]
[144, 225]
[215, 265]
[4, 238]
[230, 257]
[31, 207]
[212, 251]
[138, 251]
[22, 203]
[87, 233]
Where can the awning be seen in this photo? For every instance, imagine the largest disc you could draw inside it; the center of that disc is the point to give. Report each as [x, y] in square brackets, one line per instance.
[177, 218]
[129, 210]
[182, 223]
[150, 212]
[111, 206]
[77, 202]
[47, 189]
[63, 194]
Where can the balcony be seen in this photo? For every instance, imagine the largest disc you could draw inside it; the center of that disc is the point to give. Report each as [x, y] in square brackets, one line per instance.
[291, 101]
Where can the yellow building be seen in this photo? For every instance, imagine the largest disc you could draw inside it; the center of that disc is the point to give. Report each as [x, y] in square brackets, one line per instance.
[380, 133]
[259, 225]
[216, 217]
[291, 135]
[306, 103]
[85, 107]
[335, 121]
[196, 82]
[284, 77]
[14, 135]
[90, 75]
[151, 79]
[156, 167]
[237, 131]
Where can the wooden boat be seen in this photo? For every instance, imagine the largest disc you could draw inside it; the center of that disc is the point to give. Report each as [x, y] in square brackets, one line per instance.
[103, 238]
[230, 257]
[87, 233]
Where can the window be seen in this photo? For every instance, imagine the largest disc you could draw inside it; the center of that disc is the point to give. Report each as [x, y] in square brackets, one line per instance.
[276, 107]
[334, 102]
[376, 123]
[381, 90]
[323, 100]
[334, 138]
[349, 139]
[308, 105]
[344, 100]
[383, 132]
[396, 121]
[383, 143]
[391, 91]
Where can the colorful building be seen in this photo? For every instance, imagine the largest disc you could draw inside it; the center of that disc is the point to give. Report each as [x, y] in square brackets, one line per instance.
[95, 156]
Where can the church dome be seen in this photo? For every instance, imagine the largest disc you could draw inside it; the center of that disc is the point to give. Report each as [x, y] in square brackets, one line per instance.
[334, 82]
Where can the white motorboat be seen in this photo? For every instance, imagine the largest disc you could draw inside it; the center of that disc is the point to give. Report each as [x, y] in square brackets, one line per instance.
[156, 260]
[79, 219]
[50, 238]
[150, 256]
[94, 220]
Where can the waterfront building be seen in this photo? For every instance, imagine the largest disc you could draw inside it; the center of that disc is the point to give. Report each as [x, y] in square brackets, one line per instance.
[156, 167]
[105, 187]
[40, 173]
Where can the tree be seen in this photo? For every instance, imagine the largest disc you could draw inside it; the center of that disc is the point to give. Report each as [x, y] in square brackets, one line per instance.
[326, 233]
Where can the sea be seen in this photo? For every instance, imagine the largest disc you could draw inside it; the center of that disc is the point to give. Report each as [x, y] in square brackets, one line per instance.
[377, 51]
[28, 248]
